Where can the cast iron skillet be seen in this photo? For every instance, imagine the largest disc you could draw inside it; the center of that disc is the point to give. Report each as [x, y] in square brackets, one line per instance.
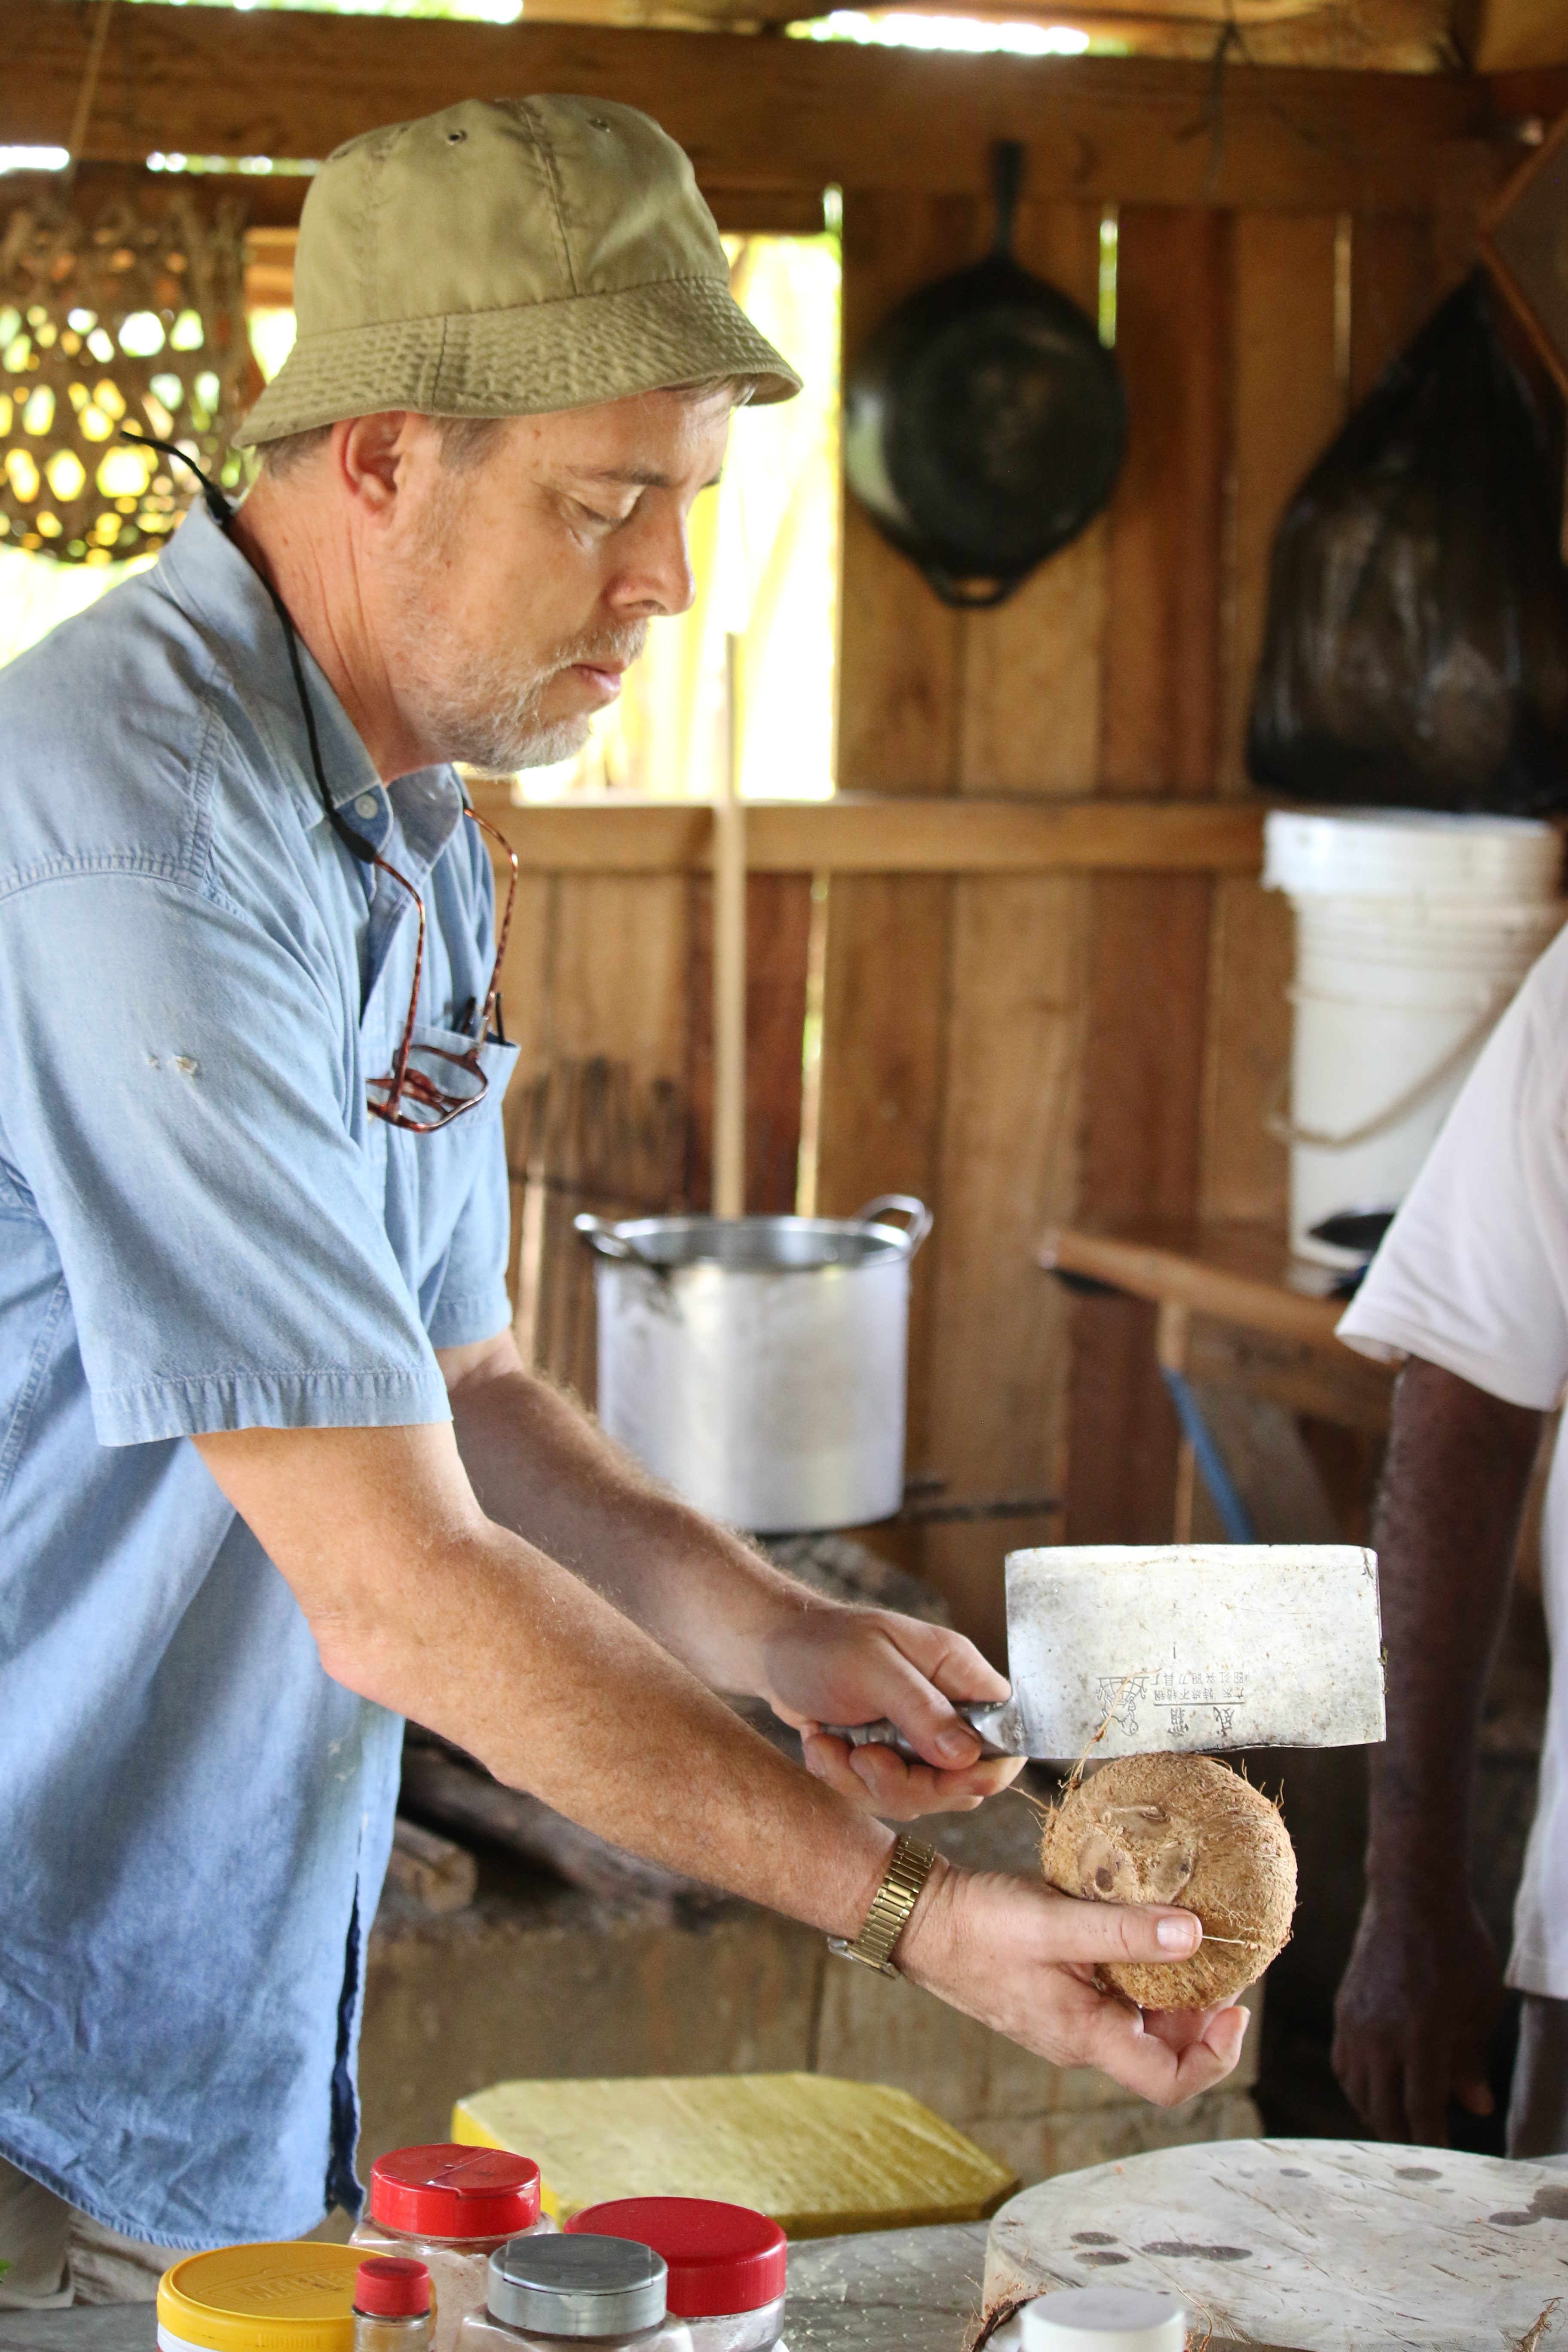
[984, 423]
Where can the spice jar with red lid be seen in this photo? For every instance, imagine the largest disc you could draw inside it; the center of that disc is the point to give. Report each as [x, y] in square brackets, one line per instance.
[393, 2306]
[726, 2265]
[450, 2207]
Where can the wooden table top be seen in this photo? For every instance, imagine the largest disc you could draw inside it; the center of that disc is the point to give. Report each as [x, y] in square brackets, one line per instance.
[1322, 2245]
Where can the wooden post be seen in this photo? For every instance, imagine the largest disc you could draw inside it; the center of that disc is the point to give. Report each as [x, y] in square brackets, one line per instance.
[729, 965]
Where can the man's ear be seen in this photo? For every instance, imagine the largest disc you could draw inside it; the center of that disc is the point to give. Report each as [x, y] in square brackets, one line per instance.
[369, 453]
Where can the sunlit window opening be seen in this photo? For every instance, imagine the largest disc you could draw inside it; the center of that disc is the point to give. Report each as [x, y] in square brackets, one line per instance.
[765, 548]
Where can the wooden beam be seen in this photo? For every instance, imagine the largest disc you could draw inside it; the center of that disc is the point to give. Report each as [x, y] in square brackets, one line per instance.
[852, 836]
[767, 112]
[1182, 1270]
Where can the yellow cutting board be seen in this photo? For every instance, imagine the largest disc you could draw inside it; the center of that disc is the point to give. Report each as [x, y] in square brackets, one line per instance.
[820, 2156]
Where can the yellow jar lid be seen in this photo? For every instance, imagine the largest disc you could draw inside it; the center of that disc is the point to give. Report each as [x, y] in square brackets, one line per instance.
[271, 2298]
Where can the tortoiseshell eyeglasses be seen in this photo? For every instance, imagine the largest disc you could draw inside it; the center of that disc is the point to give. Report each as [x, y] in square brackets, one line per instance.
[429, 1085]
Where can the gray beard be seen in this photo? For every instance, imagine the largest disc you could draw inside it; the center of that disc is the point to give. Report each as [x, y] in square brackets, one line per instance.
[482, 712]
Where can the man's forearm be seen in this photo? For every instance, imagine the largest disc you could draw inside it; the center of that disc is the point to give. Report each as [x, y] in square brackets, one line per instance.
[1448, 1521]
[540, 1465]
[474, 1632]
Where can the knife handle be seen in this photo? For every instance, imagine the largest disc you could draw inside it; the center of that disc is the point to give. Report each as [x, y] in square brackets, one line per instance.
[984, 1718]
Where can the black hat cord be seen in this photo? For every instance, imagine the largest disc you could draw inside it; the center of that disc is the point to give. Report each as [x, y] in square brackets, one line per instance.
[222, 511]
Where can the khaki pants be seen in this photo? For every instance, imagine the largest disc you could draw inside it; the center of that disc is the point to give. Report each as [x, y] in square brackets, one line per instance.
[58, 2255]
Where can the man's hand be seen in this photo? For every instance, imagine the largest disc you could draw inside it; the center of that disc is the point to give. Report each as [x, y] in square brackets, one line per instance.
[856, 1666]
[1414, 2014]
[1021, 1958]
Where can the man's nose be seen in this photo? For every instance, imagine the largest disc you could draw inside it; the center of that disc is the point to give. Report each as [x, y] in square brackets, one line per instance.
[657, 578]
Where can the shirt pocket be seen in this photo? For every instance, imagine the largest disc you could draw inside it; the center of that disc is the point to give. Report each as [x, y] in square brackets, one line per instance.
[444, 1070]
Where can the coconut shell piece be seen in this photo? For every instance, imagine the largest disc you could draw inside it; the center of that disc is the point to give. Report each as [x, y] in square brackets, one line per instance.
[1183, 1830]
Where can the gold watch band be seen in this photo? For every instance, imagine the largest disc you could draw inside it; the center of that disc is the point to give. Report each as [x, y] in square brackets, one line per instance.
[908, 1867]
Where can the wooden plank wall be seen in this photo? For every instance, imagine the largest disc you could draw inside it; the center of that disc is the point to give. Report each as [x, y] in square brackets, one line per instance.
[956, 1007]
[1021, 1051]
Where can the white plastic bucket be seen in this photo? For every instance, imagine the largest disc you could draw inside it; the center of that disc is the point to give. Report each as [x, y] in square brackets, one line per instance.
[1413, 931]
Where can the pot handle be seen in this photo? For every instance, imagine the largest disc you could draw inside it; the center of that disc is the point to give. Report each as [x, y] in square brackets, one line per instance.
[604, 1239]
[919, 1215]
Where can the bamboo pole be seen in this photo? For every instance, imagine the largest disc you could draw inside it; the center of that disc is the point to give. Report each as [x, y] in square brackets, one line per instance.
[730, 963]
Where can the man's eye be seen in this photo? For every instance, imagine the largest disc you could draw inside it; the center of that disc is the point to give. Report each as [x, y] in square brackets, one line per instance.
[598, 521]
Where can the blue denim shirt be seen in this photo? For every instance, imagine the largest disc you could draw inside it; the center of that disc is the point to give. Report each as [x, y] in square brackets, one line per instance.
[201, 1229]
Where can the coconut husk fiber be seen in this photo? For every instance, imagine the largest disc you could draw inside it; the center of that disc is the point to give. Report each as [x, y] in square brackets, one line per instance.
[1183, 1830]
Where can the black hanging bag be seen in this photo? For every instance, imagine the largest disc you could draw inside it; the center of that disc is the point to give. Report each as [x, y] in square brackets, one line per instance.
[1417, 650]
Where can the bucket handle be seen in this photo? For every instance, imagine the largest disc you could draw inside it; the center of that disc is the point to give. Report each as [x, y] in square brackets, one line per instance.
[1285, 1130]
[904, 1205]
[607, 1242]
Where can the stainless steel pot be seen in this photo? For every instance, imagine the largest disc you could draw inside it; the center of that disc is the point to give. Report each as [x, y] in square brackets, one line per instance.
[757, 1364]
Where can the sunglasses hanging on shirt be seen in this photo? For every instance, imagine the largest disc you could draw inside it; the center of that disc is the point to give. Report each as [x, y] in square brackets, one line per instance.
[428, 1085]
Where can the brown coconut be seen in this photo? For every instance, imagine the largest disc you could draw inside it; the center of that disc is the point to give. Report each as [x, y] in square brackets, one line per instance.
[1183, 1830]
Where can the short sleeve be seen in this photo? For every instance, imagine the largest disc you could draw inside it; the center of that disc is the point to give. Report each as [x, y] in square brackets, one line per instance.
[1473, 1273]
[177, 1105]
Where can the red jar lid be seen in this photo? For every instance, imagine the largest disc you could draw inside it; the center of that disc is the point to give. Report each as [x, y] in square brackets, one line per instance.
[451, 2191]
[390, 2286]
[721, 2258]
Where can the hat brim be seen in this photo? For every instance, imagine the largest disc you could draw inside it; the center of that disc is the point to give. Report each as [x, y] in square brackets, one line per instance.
[531, 361]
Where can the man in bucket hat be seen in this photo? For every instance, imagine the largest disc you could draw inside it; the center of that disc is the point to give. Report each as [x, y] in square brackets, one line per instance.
[272, 1475]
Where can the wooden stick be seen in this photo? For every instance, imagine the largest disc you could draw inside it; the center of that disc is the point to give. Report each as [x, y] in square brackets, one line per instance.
[82, 114]
[729, 966]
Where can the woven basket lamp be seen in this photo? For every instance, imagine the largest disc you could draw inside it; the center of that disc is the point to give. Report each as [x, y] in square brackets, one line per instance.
[134, 315]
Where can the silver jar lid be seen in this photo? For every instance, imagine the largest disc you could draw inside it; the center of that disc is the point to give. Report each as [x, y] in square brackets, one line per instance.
[577, 2286]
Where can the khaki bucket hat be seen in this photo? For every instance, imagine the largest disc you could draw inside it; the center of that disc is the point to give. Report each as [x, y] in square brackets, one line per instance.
[508, 258]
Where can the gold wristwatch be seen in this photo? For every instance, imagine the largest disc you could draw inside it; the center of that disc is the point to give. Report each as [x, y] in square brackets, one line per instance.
[908, 1867]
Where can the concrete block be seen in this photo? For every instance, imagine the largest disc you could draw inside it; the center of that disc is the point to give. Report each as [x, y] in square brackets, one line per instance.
[555, 1983]
[875, 2032]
